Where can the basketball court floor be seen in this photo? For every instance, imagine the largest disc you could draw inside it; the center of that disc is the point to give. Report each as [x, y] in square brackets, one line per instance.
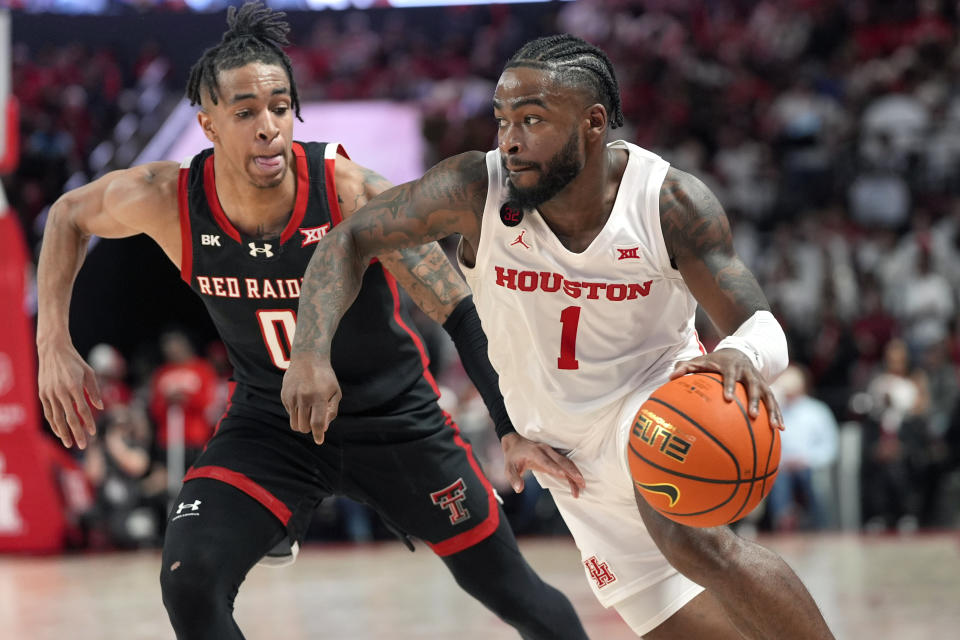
[870, 588]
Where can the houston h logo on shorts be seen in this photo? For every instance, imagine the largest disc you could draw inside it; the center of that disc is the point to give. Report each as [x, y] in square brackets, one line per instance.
[599, 571]
[451, 498]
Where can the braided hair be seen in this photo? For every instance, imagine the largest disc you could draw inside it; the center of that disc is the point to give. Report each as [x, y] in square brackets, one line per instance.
[576, 62]
[255, 34]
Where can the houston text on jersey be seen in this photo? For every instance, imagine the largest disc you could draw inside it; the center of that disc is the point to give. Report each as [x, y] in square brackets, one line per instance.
[553, 282]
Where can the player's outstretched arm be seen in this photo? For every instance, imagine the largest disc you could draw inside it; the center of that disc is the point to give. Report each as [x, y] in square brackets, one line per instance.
[120, 204]
[697, 235]
[447, 199]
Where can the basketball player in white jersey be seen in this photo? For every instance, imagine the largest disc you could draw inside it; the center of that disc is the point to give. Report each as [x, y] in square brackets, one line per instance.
[587, 261]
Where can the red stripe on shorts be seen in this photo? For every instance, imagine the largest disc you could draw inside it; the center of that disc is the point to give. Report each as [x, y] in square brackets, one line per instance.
[245, 484]
[486, 528]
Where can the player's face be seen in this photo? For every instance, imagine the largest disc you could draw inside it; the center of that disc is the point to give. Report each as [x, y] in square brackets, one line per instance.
[252, 124]
[540, 142]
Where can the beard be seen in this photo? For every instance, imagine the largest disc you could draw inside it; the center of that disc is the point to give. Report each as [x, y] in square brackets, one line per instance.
[559, 171]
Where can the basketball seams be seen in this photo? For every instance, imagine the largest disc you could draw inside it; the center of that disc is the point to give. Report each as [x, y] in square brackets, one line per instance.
[757, 484]
[687, 476]
[733, 458]
[691, 421]
[753, 445]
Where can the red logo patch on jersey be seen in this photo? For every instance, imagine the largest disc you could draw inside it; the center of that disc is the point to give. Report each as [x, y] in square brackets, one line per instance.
[630, 253]
[519, 240]
[599, 571]
[312, 235]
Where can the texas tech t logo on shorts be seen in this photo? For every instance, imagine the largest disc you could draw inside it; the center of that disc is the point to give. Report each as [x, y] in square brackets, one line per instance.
[451, 498]
[599, 571]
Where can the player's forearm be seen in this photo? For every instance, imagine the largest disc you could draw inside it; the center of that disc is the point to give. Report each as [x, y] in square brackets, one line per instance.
[429, 279]
[465, 329]
[61, 256]
[330, 285]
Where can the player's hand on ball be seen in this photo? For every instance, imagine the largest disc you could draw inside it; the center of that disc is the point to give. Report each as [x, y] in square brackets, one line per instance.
[735, 367]
[522, 455]
[310, 394]
[66, 383]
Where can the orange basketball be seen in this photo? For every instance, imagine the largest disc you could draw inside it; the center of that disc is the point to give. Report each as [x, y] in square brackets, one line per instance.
[698, 459]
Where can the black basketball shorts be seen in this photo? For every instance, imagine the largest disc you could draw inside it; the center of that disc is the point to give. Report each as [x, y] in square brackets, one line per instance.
[409, 462]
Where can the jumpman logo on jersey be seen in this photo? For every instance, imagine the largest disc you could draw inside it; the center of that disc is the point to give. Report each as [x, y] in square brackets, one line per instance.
[519, 240]
[265, 250]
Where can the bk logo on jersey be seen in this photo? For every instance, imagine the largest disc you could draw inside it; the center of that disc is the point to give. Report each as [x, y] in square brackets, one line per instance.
[210, 240]
[312, 235]
[599, 571]
[450, 498]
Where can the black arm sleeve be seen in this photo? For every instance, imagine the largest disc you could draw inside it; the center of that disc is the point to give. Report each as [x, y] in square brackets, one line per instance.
[463, 325]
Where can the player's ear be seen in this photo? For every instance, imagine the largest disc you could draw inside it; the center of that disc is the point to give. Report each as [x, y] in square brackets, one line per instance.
[596, 116]
[206, 124]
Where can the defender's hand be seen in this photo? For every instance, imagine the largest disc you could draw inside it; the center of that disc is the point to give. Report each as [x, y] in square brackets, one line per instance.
[310, 394]
[735, 367]
[521, 454]
[66, 383]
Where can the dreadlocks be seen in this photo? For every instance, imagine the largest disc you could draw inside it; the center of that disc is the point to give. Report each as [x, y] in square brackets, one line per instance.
[255, 34]
[577, 62]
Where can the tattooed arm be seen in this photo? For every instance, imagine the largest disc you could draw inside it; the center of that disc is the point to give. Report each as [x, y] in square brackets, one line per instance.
[448, 199]
[424, 272]
[697, 236]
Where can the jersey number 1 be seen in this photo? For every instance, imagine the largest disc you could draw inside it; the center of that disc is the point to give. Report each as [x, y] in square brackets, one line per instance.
[272, 322]
[569, 320]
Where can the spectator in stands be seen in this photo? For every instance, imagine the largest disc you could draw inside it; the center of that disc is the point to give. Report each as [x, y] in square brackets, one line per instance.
[110, 368]
[181, 393]
[890, 440]
[802, 495]
[115, 464]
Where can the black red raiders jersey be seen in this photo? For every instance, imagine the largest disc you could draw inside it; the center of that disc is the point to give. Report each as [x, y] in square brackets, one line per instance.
[251, 288]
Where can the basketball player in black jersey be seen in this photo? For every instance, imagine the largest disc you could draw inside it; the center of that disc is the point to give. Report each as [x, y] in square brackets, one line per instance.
[241, 221]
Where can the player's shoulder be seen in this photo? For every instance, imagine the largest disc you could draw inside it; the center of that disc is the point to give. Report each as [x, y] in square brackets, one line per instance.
[469, 166]
[152, 182]
[143, 193]
[682, 193]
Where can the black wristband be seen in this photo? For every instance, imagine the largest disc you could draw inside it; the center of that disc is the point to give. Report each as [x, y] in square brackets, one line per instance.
[464, 327]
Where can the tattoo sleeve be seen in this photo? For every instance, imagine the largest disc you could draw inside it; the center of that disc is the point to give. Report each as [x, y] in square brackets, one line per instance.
[697, 235]
[448, 199]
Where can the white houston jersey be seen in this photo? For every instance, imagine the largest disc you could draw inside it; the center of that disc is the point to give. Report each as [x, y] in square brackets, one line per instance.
[574, 334]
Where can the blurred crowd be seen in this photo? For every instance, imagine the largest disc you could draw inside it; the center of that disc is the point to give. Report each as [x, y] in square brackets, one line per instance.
[829, 129]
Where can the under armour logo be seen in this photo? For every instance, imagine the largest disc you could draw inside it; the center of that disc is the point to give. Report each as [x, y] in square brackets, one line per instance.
[450, 498]
[312, 235]
[519, 240]
[193, 506]
[628, 254]
[599, 571]
[265, 250]
[210, 240]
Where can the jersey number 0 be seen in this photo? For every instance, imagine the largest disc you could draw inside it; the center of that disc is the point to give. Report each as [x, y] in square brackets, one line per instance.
[273, 322]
